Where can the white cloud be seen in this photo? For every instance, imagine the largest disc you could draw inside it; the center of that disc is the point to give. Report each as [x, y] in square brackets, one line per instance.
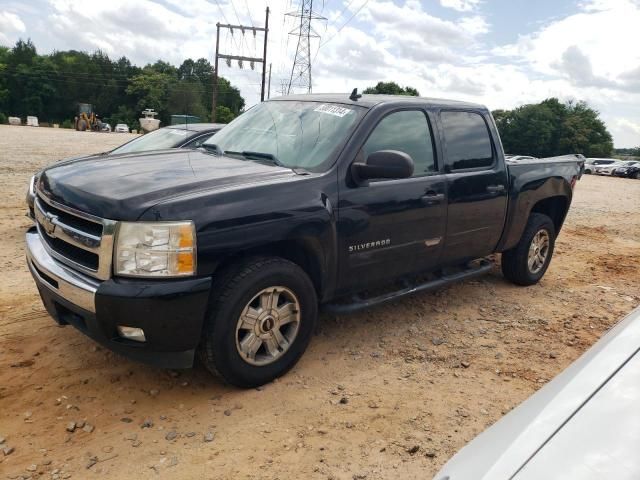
[587, 55]
[475, 25]
[606, 33]
[460, 5]
[11, 26]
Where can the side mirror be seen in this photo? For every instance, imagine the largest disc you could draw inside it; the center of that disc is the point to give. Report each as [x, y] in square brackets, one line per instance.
[384, 164]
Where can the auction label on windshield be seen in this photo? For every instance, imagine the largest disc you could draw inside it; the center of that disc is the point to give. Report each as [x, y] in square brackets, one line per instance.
[336, 110]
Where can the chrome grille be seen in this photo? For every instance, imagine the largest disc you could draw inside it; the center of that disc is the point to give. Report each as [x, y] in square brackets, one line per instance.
[79, 240]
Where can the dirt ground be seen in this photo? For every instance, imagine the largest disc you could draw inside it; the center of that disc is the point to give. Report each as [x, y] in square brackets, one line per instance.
[389, 393]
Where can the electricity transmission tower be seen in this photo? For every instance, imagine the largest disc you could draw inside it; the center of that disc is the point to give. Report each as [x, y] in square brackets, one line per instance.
[301, 70]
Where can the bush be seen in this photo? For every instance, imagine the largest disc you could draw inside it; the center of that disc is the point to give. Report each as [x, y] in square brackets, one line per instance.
[67, 124]
[3, 118]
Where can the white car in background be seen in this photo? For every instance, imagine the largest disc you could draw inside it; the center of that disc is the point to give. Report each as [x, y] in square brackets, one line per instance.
[121, 128]
[583, 425]
[591, 164]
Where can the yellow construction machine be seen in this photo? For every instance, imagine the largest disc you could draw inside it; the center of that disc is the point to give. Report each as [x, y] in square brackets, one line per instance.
[86, 119]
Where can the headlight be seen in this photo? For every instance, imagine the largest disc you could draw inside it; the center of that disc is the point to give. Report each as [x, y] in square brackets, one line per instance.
[155, 249]
[31, 193]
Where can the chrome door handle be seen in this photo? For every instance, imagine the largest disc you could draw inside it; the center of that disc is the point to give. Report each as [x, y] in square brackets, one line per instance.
[495, 188]
[432, 198]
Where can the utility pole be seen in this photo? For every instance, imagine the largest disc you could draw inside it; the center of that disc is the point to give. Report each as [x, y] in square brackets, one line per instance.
[301, 70]
[269, 87]
[264, 54]
[214, 102]
[239, 58]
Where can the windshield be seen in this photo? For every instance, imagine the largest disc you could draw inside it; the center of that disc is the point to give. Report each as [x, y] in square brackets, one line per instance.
[156, 140]
[295, 134]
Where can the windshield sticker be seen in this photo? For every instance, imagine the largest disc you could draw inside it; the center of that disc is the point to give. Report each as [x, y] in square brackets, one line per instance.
[333, 110]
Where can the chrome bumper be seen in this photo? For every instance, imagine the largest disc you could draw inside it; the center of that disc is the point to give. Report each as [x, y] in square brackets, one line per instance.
[48, 273]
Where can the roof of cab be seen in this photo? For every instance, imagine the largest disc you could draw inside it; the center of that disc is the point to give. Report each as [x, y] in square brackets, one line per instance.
[372, 100]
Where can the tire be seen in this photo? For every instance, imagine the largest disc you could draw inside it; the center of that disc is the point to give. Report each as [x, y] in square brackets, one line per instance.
[227, 343]
[515, 262]
[82, 125]
[636, 175]
[587, 171]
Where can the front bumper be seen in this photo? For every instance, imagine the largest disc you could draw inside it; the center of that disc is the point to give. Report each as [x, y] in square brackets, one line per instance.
[171, 312]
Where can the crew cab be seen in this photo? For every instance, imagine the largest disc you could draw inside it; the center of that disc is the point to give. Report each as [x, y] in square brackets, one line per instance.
[303, 202]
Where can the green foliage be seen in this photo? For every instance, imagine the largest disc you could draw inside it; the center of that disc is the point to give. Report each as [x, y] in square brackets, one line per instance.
[3, 118]
[51, 86]
[127, 115]
[66, 124]
[224, 114]
[552, 128]
[391, 88]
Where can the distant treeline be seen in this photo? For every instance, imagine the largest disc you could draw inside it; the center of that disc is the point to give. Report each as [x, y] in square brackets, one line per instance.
[552, 128]
[51, 86]
[634, 152]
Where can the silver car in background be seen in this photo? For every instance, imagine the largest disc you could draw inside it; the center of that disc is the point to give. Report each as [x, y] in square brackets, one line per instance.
[583, 425]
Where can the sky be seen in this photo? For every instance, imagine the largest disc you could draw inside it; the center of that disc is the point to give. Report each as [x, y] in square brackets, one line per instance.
[502, 53]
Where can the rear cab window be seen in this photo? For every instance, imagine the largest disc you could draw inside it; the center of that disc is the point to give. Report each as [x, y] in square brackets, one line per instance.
[467, 141]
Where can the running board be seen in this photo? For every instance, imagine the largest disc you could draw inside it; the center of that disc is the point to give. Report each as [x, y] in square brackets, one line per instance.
[357, 303]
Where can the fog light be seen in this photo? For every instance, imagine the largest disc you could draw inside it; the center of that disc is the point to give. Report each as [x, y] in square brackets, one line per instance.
[131, 333]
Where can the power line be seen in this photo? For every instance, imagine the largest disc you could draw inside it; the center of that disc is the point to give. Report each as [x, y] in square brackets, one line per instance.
[322, 44]
[249, 13]
[344, 24]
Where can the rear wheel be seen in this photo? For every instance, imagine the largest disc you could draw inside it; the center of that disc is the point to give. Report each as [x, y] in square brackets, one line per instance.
[263, 313]
[527, 262]
[82, 125]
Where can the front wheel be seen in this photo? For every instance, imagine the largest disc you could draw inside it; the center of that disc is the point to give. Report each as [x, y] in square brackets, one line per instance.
[263, 313]
[527, 262]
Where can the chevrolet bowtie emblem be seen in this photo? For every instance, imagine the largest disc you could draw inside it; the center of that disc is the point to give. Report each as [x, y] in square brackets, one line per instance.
[49, 223]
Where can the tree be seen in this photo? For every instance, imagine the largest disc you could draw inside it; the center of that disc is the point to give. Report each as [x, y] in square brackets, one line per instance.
[151, 89]
[185, 98]
[391, 88]
[552, 128]
[51, 86]
[224, 114]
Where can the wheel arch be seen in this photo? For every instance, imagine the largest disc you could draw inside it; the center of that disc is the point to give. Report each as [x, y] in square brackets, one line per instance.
[305, 253]
[555, 208]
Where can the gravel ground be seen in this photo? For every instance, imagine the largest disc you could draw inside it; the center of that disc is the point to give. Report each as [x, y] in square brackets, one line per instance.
[388, 393]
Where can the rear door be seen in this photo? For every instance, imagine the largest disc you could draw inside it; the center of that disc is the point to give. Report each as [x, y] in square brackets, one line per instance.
[477, 185]
[389, 228]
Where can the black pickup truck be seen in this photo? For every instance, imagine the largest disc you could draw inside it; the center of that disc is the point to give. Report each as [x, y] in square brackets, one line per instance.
[303, 202]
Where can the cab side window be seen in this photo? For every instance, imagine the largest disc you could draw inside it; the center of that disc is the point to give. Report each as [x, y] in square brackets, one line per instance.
[407, 131]
[468, 144]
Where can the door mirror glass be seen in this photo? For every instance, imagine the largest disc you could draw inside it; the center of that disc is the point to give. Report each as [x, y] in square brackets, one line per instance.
[384, 164]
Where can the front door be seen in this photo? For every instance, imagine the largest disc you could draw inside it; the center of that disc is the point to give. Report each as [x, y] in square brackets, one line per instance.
[390, 228]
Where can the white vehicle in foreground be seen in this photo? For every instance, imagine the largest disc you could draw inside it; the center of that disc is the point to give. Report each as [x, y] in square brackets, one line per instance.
[583, 425]
[121, 128]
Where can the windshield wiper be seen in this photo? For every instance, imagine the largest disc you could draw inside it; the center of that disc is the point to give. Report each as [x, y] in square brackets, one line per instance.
[257, 155]
[212, 147]
[249, 155]
[267, 156]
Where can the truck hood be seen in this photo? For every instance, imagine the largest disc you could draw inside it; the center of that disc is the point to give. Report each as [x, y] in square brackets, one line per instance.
[122, 187]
